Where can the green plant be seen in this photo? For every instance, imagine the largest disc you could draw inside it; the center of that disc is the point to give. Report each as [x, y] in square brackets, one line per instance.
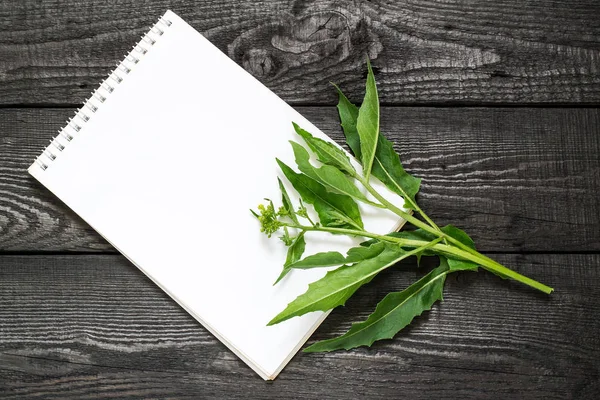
[331, 189]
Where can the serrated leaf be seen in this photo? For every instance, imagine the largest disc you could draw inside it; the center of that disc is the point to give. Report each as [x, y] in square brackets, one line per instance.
[333, 258]
[334, 210]
[326, 152]
[328, 175]
[294, 254]
[338, 285]
[348, 114]
[387, 166]
[287, 202]
[367, 123]
[392, 314]
[389, 170]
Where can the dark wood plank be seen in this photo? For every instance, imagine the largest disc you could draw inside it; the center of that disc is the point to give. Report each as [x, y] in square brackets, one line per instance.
[516, 179]
[94, 326]
[509, 51]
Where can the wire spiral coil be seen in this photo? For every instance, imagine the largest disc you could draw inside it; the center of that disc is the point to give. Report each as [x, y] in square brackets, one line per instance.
[74, 124]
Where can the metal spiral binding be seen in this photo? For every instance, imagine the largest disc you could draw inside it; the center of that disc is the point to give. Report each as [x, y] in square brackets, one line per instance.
[74, 124]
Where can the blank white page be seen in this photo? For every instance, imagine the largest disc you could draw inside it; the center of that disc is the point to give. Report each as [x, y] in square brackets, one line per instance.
[166, 169]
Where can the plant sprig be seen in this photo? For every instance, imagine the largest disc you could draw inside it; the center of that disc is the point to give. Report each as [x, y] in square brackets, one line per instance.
[332, 190]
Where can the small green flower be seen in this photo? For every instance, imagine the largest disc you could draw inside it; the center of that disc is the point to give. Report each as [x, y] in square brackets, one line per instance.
[268, 219]
[282, 212]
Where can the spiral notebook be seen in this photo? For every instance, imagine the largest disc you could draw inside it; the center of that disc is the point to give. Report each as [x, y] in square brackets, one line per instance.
[164, 161]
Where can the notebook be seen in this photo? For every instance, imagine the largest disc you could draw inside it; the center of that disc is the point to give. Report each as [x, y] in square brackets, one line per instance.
[165, 159]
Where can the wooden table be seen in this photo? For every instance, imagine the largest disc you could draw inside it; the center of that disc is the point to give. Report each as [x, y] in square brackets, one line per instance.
[493, 104]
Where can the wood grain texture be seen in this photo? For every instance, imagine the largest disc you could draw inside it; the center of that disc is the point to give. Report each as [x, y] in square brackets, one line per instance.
[520, 180]
[94, 326]
[516, 179]
[467, 52]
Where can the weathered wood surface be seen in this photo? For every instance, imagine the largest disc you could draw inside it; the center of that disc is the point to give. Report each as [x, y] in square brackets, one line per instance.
[523, 181]
[496, 52]
[93, 326]
[516, 179]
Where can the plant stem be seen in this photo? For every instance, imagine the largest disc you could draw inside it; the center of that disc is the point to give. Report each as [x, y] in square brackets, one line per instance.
[397, 210]
[401, 213]
[425, 217]
[433, 229]
[494, 267]
[472, 255]
[372, 203]
[354, 232]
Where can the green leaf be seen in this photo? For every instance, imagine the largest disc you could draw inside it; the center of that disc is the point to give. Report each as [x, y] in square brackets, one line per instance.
[387, 166]
[461, 265]
[294, 254]
[458, 264]
[287, 203]
[328, 175]
[338, 285]
[326, 259]
[327, 153]
[360, 253]
[296, 250]
[348, 115]
[393, 313]
[410, 235]
[388, 169]
[459, 235]
[455, 263]
[367, 123]
[333, 258]
[334, 210]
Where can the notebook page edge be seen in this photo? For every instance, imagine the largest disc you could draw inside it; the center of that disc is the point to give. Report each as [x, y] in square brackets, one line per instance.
[33, 171]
